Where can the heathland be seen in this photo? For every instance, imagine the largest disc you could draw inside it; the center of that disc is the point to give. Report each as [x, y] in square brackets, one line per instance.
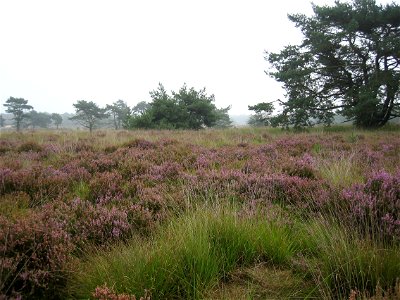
[250, 213]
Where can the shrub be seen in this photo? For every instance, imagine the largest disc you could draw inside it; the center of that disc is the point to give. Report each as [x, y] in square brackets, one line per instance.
[141, 144]
[106, 293]
[303, 167]
[374, 207]
[30, 146]
[105, 184]
[34, 253]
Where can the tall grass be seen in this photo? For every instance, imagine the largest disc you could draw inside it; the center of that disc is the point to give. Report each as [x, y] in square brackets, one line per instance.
[341, 261]
[187, 257]
[341, 172]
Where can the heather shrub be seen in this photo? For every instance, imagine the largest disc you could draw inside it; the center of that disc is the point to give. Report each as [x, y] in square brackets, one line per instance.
[30, 146]
[83, 145]
[97, 224]
[50, 184]
[110, 149]
[103, 163]
[75, 171]
[370, 158]
[290, 191]
[106, 293]
[152, 198]
[11, 161]
[34, 252]
[168, 170]
[6, 180]
[374, 207]
[131, 167]
[105, 184]
[302, 167]
[295, 145]
[5, 146]
[40, 183]
[141, 144]
[51, 148]
[14, 205]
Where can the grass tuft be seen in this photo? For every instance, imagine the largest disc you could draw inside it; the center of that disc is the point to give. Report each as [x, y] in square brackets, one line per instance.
[187, 257]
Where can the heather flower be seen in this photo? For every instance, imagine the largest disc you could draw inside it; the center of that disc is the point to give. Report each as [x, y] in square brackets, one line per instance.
[107, 184]
[375, 205]
[303, 167]
[141, 144]
[166, 171]
[34, 254]
[30, 147]
[105, 293]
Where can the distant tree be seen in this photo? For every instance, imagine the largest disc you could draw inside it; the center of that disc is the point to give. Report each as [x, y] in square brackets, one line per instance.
[223, 119]
[141, 117]
[161, 112]
[185, 109]
[348, 63]
[119, 111]
[165, 111]
[88, 114]
[2, 121]
[57, 119]
[140, 108]
[17, 107]
[262, 116]
[198, 107]
[139, 121]
[38, 119]
[256, 120]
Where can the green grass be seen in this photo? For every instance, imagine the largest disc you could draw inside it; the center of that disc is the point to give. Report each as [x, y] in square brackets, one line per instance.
[340, 261]
[187, 257]
[197, 254]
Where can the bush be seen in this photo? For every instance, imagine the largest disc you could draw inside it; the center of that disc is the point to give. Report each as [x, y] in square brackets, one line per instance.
[34, 253]
[374, 207]
[30, 146]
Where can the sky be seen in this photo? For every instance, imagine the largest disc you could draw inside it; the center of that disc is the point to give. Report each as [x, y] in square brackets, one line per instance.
[54, 53]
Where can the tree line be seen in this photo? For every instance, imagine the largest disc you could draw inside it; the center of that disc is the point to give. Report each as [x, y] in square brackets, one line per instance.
[25, 116]
[185, 109]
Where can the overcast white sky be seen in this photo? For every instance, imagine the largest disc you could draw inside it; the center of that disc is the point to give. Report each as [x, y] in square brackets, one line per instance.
[54, 53]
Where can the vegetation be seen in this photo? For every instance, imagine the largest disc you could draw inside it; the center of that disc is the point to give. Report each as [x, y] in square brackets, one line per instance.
[235, 213]
[88, 114]
[185, 109]
[17, 107]
[347, 64]
[263, 114]
[253, 213]
[38, 119]
[119, 111]
[57, 119]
